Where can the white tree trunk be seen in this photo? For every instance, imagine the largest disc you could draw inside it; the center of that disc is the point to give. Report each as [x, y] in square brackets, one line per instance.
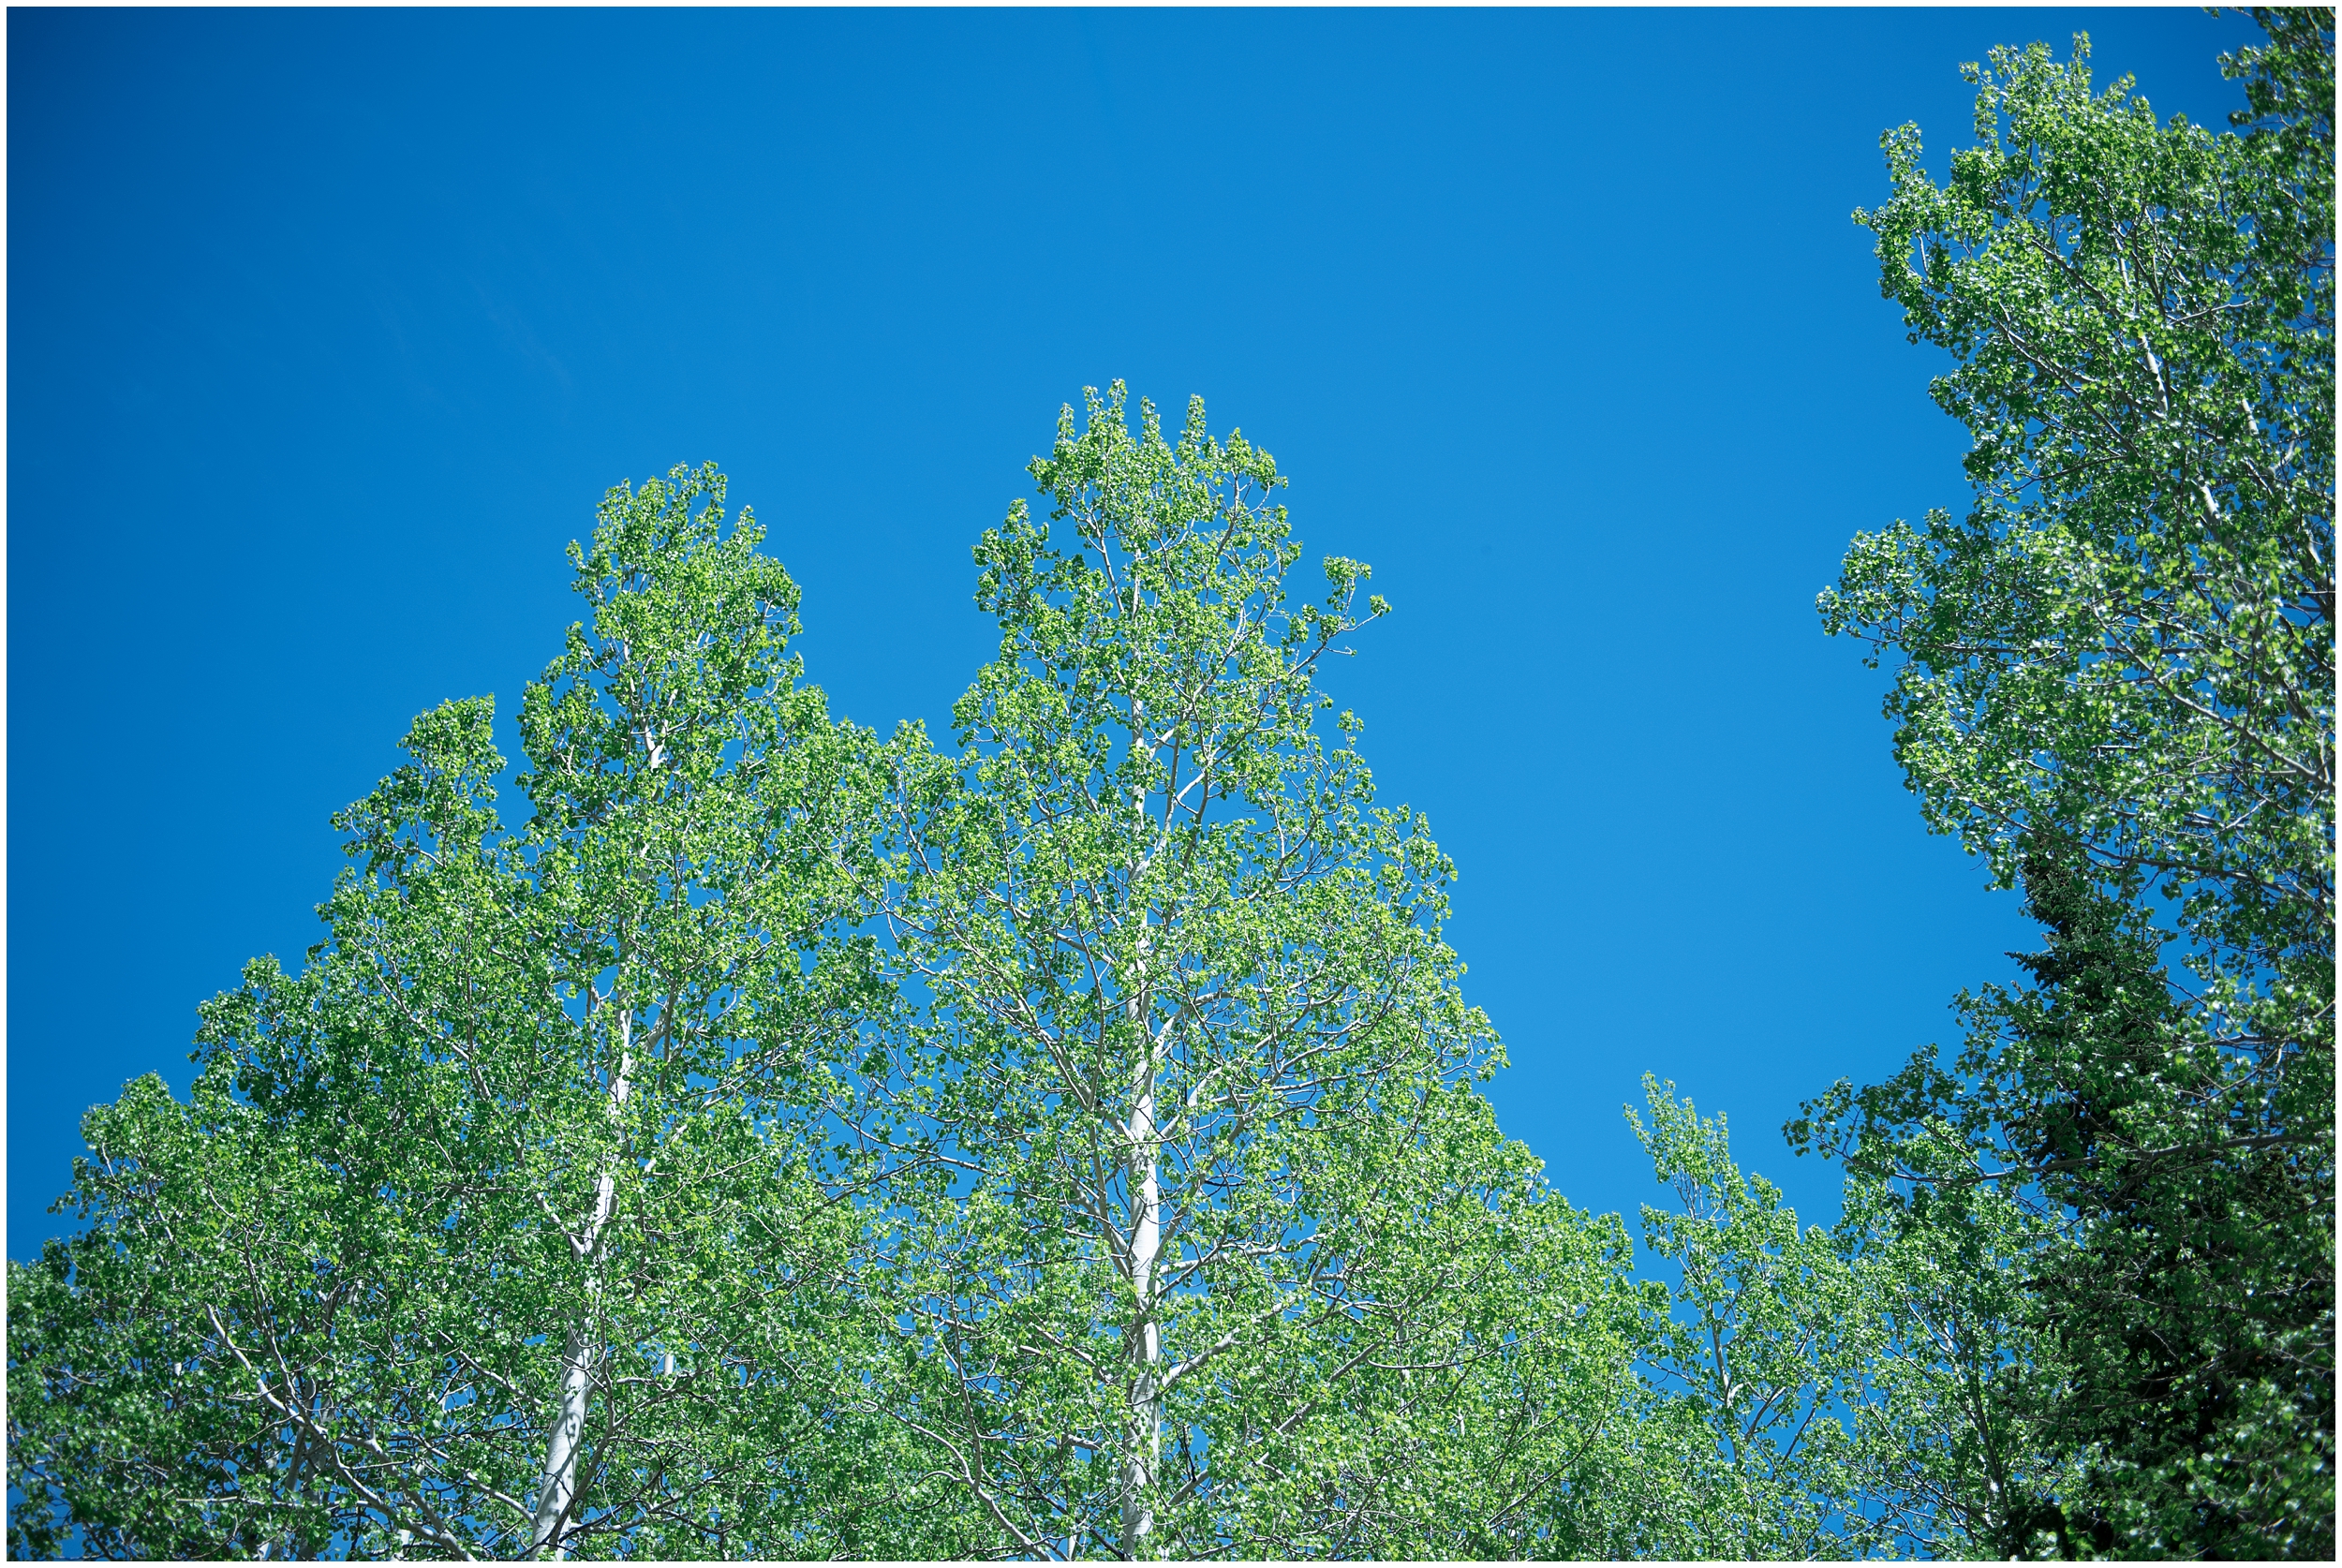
[558, 1490]
[1143, 1437]
[563, 1444]
[1144, 1441]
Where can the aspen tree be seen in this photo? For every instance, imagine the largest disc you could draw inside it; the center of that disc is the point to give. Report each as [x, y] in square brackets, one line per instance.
[1210, 1237]
[507, 1225]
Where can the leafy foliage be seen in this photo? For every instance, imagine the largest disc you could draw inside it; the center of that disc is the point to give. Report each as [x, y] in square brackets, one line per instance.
[2116, 682]
[1758, 1358]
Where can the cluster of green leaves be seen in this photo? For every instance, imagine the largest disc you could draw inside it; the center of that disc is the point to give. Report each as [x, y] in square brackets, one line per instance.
[2115, 680]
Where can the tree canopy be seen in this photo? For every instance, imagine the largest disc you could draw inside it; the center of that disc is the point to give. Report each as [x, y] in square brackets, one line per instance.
[1070, 1137]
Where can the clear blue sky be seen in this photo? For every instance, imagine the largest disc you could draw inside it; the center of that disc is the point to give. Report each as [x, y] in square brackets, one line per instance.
[327, 330]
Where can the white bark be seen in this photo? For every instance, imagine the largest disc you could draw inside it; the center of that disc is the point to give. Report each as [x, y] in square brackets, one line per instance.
[558, 1490]
[1143, 1437]
[1143, 1443]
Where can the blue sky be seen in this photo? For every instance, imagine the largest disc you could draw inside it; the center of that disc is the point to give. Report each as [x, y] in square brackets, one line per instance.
[327, 330]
